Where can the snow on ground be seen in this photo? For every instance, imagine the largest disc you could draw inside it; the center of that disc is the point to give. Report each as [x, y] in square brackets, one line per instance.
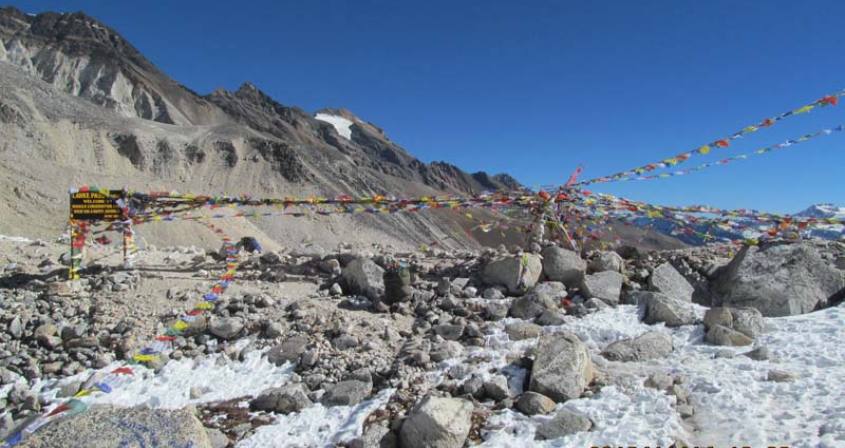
[342, 125]
[220, 378]
[15, 239]
[734, 403]
[317, 426]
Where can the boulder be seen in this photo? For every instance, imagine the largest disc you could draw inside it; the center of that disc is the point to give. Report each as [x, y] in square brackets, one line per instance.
[517, 274]
[284, 400]
[720, 335]
[226, 327]
[532, 305]
[347, 393]
[747, 321]
[496, 388]
[778, 280]
[562, 368]
[606, 286]
[518, 331]
[532, 403]
[363, 276]
[108, 426]
[564, 423]
[607, 261]
[667, 280]
[563, 265]
[437, 422]
[288, 351]
[450, 332]
[650, 345]
[660, 308]
[550, 317]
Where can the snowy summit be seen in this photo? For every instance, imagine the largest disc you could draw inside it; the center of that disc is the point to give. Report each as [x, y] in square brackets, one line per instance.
[342, 125]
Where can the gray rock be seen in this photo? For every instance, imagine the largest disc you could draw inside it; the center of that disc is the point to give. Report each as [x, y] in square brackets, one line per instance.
[748, 321]
[496, 310]
[532, 403]
[451, 332]
[685, 410]
[778, 280]
[650, 345]
[719, 335]
[562, 368]
[363, 276]
[550, 317]
[517, 274]
[659, 381]
[667, 280]
[564, 423]
[226, 327]
[336, 290]
[273, 330]
[217, 438]
[518, 331]
[345, 342]
[545, 296]
[759, 354]
[347, 393]
[496, 388]
[107, 427]
[660, 308]
[607, 261]
[289, 398]
[437, 422]
[493, 294]
[288, 351]
[596, 304]
[377, 435]
[781, 376]
[563, 266]
[15, 327]
[606, 286]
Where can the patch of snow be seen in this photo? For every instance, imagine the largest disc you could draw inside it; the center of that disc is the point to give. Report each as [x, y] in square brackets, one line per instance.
[15, 239]
[317, 426]
[222, 378]
[342, 125]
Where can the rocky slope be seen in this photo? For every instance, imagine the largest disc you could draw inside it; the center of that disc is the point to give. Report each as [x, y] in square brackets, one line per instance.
[79, 104]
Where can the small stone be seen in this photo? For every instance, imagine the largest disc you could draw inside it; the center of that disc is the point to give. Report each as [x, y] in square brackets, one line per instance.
[781, 376]
[659, 381]
[347, 393]
[533, 403]
[759, 354]
[518, 331]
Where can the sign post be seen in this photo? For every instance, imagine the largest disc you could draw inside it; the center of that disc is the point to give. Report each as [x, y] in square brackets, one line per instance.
[88, 206]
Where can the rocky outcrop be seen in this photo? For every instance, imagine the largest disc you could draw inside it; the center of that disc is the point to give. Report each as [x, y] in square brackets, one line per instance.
[778, 280]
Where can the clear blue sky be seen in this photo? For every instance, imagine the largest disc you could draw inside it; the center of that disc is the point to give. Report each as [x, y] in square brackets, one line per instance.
[534, 88]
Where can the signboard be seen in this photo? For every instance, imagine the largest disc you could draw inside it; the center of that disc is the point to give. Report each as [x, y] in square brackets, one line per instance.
[95, 206]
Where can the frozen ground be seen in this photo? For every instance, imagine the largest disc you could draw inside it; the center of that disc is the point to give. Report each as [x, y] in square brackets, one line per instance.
[734, 402]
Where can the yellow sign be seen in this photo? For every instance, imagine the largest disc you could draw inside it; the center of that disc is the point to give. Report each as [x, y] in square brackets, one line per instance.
[95, 205]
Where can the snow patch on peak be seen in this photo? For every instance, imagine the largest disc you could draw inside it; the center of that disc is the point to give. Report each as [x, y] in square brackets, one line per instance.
[341, 124]
[823, 211]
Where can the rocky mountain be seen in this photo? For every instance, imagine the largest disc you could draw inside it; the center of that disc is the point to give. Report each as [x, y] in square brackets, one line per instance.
[80, 105]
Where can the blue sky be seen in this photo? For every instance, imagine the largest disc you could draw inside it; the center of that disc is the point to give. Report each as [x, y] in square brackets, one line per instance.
[534, 88]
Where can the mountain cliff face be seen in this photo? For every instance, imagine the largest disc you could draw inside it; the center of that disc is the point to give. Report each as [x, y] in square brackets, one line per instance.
[79, 104]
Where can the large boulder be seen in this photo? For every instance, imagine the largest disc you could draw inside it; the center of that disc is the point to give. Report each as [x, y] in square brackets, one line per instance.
[288, 351]
[606, 286]
[363, 276]
[660, 308]
[778, 280]
[667, 280]
[284, 400]
[562, 369]
[437, 422]
[518, 273]
[545, 296]
[532, 403]
[563, 265]
[650, 345]
[108, 427]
